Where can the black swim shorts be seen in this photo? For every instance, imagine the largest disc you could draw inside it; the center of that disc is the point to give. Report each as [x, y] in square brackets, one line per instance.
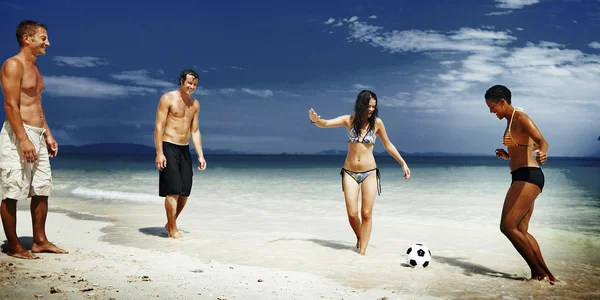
[176, 177]
[529, 174]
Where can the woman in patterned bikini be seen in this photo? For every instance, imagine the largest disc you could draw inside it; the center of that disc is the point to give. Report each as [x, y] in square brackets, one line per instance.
[521, 138]
[363, 128]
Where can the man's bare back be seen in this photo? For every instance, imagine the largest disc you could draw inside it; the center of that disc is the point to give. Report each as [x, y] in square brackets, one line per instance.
[179, 118]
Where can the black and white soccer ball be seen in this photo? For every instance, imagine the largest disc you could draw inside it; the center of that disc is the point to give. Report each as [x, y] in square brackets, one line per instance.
[418, 255]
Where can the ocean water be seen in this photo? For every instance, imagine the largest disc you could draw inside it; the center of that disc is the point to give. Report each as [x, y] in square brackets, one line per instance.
[288, 212]
[461, 188]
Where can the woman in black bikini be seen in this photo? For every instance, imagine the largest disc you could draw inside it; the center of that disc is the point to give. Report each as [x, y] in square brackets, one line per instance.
[521, 138]
[357, 174]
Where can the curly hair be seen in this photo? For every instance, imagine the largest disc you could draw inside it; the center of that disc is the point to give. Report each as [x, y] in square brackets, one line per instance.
[498, 92]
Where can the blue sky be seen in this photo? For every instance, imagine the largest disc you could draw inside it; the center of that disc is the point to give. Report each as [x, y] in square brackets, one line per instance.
[264, 64]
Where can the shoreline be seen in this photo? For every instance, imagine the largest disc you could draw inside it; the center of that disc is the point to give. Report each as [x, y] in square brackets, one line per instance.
[94, 269]
[100, 269]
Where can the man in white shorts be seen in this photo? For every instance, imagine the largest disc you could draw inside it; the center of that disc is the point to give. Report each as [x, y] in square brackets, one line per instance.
[26, 143]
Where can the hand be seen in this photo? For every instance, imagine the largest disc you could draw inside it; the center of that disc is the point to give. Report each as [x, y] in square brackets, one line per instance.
[201, 163]
[52, 146]
[313, 116]
[540, 157]
[161, 161]
[406, 172]
[28, 152]
[501, 153]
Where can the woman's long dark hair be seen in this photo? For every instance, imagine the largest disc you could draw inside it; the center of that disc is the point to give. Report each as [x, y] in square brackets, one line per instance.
[361, 110]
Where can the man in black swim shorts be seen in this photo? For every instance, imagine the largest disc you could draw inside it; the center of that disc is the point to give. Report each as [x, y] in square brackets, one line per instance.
[176, 122]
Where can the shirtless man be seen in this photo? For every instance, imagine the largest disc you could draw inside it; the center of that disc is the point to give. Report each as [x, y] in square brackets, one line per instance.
[176, 121]
[26, 143]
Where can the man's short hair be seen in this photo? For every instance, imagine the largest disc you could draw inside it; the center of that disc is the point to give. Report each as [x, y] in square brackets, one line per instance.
[29, 28]
[185, 73]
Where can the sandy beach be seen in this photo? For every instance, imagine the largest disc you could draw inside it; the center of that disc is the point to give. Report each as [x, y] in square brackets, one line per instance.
[96, 269]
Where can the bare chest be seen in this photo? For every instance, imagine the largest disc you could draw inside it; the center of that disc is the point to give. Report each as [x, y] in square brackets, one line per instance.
[180, 110]
[32, 82]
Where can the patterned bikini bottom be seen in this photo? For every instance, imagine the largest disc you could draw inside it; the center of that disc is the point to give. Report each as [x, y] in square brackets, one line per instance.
[359, 177]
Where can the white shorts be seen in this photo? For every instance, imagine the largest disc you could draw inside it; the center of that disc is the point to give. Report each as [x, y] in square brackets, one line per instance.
[20, 179]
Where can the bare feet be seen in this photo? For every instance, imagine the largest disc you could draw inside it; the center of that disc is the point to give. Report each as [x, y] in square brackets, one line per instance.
[358, 243]
[544, 277]
[174, 233]
[47, 247]
[22, 254]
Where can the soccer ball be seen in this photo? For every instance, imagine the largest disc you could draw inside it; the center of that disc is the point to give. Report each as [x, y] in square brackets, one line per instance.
[418, 255]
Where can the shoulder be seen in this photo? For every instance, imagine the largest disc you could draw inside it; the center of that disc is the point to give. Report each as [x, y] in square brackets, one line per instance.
[196, 104]
[378, 121]
[521, 116]
[12, 66]
[168, 96]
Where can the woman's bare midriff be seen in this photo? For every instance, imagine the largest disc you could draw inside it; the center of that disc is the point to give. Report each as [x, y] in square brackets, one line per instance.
[521, 157]
[360, 158]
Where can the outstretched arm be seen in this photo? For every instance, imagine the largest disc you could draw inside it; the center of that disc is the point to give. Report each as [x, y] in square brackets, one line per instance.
[159, 130]
[322, 123]
[197, 140]
[532, 130]
[390, 148]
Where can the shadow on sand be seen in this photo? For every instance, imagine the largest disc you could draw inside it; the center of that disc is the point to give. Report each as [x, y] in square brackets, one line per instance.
[26, 241]
[157, 231]
[337, 245]
[471, 269]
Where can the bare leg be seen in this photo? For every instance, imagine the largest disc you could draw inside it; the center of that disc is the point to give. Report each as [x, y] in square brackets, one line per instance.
[519, 200]
[171, 209]
[351, 189]
[8, 212]
[39, 212]
[369, 191]
[523, 227]
[180, 205]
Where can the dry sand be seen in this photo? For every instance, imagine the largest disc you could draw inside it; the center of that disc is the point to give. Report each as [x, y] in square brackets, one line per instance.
[95, 269]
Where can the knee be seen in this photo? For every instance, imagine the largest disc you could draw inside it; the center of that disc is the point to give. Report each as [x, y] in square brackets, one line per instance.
[507, 229]
[353, 214]
[366, 215]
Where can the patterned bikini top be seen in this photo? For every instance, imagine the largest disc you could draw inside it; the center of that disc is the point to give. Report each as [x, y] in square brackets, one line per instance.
[508, 140]
[369, 137]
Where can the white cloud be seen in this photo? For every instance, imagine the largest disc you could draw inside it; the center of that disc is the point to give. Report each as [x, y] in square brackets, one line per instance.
[471, 60]
[227, 91]
[519, 29]
[463, 40]
[330, 21]
[12, 5]
[260, 93]
[373, 17]
[236, 68]
[359, 86]
[499, 13]
[352, 19]
[141, 77]
[85, 87]
[515, 4]
[160, 72]
[203, 71]
[595, 45]
[338, 24]
[79, 61]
